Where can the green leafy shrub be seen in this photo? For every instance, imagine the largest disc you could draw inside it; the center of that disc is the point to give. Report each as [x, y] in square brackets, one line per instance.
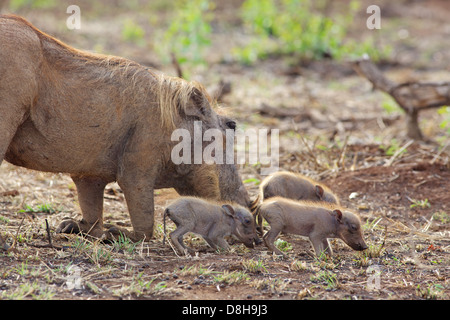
[299, 27]
[189, 33]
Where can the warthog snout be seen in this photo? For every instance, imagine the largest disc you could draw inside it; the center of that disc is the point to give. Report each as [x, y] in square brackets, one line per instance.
[361, 246]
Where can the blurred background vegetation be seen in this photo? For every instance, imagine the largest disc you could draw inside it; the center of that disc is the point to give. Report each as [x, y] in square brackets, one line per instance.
[245, 33]
[255, 29]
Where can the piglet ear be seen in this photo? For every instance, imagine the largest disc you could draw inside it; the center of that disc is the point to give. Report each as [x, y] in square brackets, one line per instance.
[319, 192]
[338, 215]
[229, 210]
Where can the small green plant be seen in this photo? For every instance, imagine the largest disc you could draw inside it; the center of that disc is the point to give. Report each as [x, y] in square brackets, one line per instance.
[326, 262]
[392, 148]
[34, 4]
[234, 277]
[422, 204]
[194, 270]
[373, 224]
[123, 243]
[22, 269]
[254, 266]
[4, 220]
[327, 278]
[95, 251]
[272, 285]
[140, 286]
[390, 106]
[442, 217]
[255, 181]
[432, 291]
[45, 208]
[374, 251]
[33, 290]
[445, 124]
[361, 260]
[132, 32]
[283, 245]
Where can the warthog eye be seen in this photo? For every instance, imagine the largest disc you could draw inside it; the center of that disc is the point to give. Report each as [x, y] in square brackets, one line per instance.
[231, 124]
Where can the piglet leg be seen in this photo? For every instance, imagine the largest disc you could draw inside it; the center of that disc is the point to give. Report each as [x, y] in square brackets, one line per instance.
[269, 239]
[321, 246]
[221, 243]
[177, 239]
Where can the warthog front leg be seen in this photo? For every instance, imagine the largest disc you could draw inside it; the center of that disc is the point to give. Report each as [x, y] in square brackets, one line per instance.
[138, 190]
[90, 196]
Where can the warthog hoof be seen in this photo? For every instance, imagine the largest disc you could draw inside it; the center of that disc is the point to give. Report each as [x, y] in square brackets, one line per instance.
[72, 226]
[68, 226]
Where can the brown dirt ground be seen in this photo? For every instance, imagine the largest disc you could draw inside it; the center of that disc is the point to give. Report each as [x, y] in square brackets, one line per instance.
[409, 239]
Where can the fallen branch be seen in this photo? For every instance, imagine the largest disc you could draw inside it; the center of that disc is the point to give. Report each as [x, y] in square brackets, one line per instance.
[412, 97]
[10, 193]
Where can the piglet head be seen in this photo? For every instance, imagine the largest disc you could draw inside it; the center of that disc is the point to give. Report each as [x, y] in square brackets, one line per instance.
[244, 224]
[349, 229]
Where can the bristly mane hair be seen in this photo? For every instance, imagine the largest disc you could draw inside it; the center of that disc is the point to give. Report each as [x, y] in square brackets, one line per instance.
[172, 94]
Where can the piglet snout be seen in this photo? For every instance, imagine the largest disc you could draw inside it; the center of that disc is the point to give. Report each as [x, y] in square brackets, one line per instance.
[249, 245]
[362, 246]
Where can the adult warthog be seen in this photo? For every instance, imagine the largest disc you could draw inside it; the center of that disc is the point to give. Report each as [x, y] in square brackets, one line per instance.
[102, 119]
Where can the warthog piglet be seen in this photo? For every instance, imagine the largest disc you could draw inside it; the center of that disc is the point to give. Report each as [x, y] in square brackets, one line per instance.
[316, 220]
[212, 220]
[294, 186]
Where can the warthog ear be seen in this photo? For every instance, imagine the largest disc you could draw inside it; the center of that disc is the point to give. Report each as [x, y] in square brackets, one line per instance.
[198, 104]
[229, 210]
[338, 215]
[319, 192]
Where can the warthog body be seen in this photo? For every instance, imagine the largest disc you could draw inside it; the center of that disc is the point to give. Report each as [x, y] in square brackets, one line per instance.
[317, 221]
[212, 220]
[102, 119]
